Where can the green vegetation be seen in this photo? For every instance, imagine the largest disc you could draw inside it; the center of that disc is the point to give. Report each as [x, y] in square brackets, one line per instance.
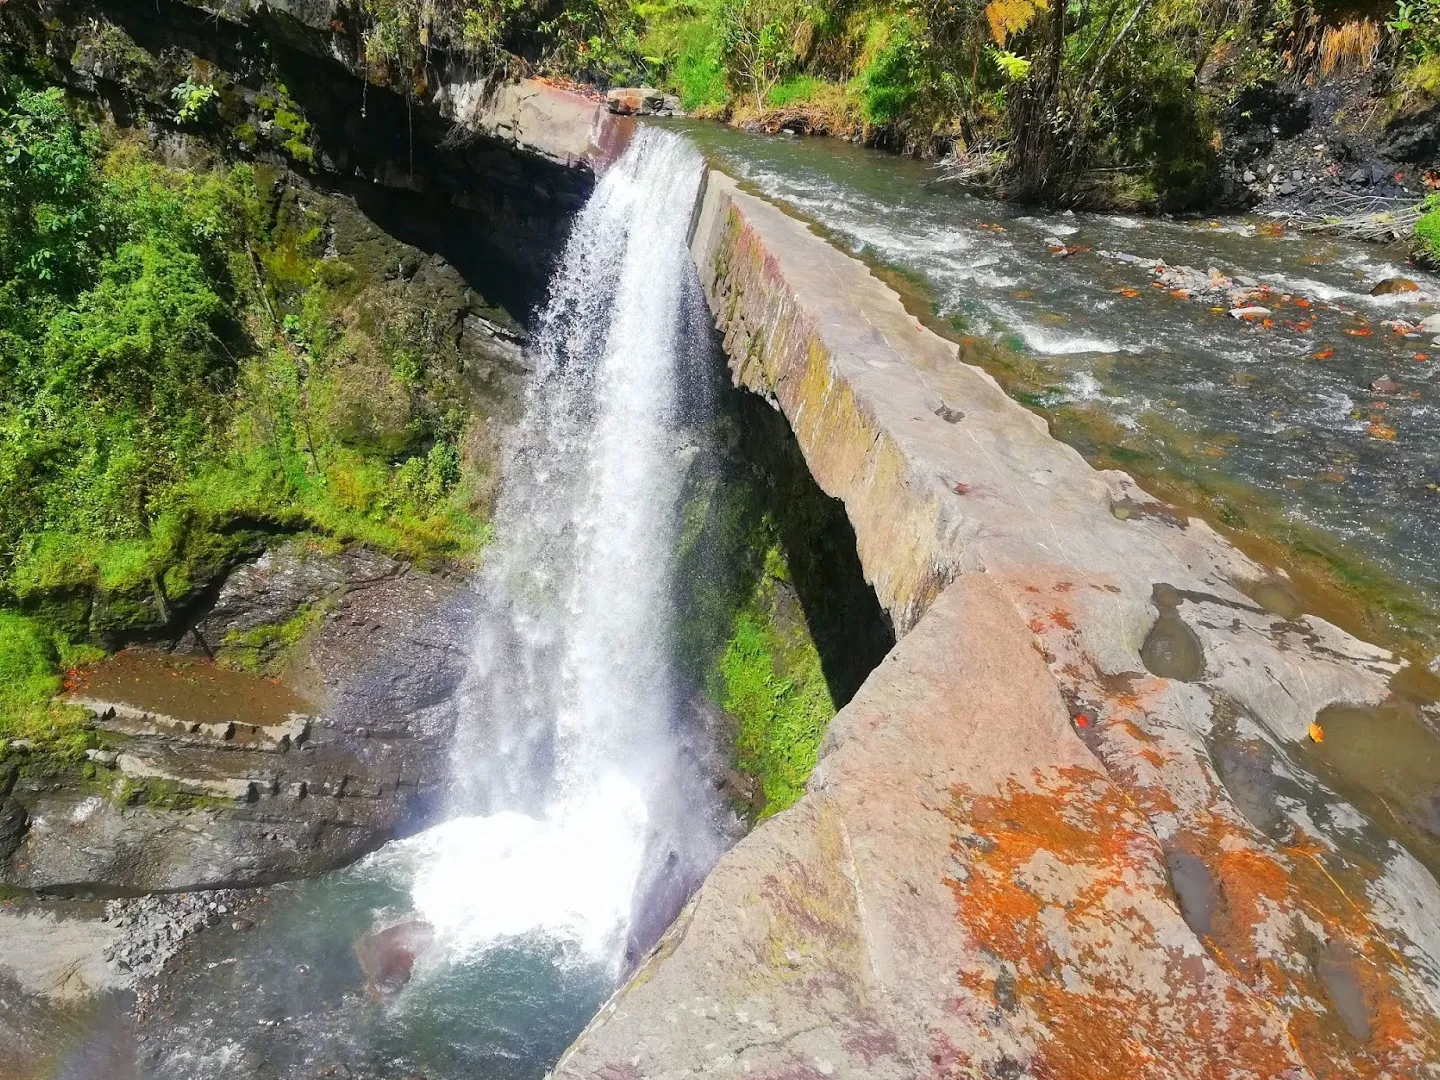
[770, 680]
[28, 685]
[777, 626]
[184, 371]
[266, 649]
[745, 640]
[1427, 233]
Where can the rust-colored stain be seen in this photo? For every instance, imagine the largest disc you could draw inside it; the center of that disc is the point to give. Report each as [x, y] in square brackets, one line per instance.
[1277, 905]
[1061, 618]
[1090, 1014]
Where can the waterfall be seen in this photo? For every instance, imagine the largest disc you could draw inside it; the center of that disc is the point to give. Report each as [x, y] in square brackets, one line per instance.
[577, 803]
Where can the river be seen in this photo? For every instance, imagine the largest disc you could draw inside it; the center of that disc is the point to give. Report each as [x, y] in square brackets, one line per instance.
[1269, 425]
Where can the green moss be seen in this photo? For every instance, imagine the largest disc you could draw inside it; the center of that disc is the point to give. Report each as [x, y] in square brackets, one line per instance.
[1427, 234]
[265, 649]
[29, 681]
[770, 679]
[158, 794]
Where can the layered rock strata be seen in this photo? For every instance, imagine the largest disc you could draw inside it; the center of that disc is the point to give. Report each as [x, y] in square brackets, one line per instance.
[1058, 833]
[187, 799]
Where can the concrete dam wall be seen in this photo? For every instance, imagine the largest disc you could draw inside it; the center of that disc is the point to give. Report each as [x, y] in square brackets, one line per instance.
[1055, 834]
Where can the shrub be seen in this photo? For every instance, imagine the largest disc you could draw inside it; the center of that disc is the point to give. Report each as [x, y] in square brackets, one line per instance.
[1427, 234]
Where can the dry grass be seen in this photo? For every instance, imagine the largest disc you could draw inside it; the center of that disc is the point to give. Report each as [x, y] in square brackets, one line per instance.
[1350, 47]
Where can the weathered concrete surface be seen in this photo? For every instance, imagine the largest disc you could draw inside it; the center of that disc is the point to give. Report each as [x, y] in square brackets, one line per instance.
[1024, 854]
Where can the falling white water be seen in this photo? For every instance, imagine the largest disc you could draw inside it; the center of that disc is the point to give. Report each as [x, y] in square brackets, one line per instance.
[582, 817]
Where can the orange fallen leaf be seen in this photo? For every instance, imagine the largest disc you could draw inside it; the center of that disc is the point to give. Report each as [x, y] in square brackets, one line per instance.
[1378, 430]
[1268, 324]
[1317, 733]
[1180, 294]
[1130, 294]
[1324, 354]
[1422, 356]
[1359, 331]
[1301, 302]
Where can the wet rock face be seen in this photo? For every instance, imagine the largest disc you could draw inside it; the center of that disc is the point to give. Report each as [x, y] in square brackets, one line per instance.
[487, 176]
[1026, 852]
[1414, 137]
[190, 803]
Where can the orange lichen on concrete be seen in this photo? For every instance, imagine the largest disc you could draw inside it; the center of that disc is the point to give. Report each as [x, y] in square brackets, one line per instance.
[1275, 910]
[1276, 902]
[1061, 886]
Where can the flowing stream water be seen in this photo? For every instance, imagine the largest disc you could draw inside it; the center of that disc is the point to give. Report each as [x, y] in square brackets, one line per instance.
[1274, 421]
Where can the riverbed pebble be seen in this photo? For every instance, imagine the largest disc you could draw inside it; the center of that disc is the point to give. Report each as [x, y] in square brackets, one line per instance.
[154, 927]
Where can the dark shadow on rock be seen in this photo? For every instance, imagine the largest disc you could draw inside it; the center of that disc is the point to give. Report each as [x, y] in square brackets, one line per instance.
[749, 490]
[498, 215]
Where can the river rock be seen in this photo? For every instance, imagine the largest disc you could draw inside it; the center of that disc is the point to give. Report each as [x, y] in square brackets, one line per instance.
[1430, 324]
[1394, 285]
[385, 663]
[641, 101]
[388, 957]
[1384, 385]
[1252, 312]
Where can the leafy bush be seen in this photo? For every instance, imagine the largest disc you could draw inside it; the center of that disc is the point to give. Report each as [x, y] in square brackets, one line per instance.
[180, 366]
[1427, 233]
[697, 71]
[889, 81]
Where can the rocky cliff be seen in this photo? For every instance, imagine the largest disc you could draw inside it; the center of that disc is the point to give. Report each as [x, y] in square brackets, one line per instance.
[1059, 832]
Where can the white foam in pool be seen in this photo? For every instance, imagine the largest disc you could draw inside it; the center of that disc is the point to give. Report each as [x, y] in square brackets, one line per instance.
[570, 874]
